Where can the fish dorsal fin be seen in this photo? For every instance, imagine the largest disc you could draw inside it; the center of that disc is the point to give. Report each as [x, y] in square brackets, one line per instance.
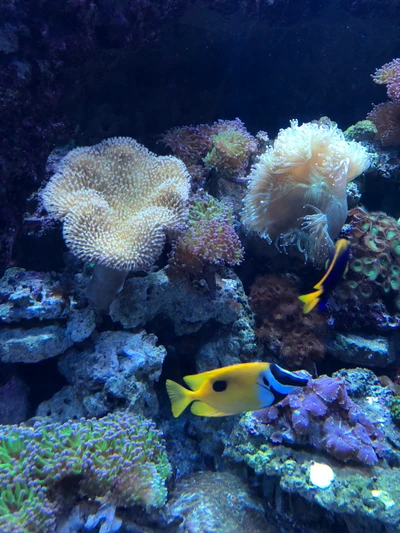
[196, 380]
[203, 409]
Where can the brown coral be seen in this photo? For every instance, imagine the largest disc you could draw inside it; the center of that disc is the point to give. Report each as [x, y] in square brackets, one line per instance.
[117, 200]
[386, 118]
[297, 190]
[281, 324]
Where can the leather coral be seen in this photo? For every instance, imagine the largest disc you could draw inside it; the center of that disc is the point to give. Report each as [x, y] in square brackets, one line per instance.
[116, 199]
[297, 190]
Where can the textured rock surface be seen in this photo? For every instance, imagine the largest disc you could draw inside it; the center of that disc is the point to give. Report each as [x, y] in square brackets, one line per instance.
[363, 498]
[214, 502]
[117, 371]
[64, 405]
[363, 351]
[33, 344]
[14, 403]
[29, 297]
[188, 308]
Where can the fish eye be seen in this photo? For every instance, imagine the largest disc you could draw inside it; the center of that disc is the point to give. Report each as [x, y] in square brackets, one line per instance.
[265, 381]
[219, 386]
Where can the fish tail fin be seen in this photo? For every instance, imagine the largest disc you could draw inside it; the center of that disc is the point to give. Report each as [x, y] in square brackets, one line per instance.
[310, 300]
[179, 397]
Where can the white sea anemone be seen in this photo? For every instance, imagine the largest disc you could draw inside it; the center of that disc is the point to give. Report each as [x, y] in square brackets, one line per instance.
[297, 190]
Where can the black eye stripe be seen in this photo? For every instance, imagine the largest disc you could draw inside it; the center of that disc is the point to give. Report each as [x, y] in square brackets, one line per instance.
[286, 378]
[219, 386]
[266, 382]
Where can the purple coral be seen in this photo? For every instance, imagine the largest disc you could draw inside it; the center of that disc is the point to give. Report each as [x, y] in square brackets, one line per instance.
[389, 75]
[323, 415]
[210, 239]
[226, 147]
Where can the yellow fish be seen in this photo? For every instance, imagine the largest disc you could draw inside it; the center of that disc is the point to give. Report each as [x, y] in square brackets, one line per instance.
[336, 269]
[233, 389]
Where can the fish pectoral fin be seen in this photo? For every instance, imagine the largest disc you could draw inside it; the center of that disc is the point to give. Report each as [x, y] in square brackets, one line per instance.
[196, 380]
[310, 300]
[179, 396]
[203, 409]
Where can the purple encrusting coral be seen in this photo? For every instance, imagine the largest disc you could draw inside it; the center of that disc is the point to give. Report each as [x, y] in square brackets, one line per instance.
[322, 415]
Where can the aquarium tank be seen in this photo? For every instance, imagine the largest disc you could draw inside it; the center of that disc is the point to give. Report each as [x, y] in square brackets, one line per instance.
[200, 266]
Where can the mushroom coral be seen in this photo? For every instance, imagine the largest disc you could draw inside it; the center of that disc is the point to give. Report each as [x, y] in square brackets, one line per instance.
[297, 191]
[117, 200]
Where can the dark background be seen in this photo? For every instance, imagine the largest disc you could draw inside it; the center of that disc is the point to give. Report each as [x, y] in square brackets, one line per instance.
[88, 70]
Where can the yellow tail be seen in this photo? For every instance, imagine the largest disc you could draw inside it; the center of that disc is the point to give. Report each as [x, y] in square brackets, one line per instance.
[179, 396]
[310, 300]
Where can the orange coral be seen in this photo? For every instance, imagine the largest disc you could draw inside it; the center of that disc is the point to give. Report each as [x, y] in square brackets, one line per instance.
[281, 324]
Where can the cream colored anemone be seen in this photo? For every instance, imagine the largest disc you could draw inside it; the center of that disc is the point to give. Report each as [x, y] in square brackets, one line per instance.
[297, 190]
[117, 200]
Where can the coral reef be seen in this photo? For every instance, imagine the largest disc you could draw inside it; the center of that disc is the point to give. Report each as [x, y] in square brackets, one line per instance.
[281, 324]
[226, 147]
[118, 370]
[370, 292]
[120, 459]
[323, 415]
[361, 496]
[209, 240]
[116, 201]
[389, 75]
[297, 191]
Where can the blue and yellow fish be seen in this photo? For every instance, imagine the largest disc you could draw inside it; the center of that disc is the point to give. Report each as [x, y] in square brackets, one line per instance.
[233, 389]
[336, 269]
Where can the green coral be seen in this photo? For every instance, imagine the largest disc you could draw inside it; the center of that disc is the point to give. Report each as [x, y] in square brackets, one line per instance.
[395, 409]
[373, 278]
[364, 130]
[120, 458]
[232, 146]
[209, 240]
